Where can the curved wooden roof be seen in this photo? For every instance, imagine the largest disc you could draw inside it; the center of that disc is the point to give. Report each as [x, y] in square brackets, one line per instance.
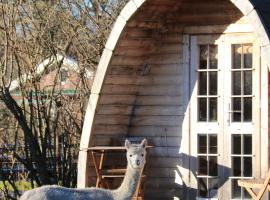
[146, 20]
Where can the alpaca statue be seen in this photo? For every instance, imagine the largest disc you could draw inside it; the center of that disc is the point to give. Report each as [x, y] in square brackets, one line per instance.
[135, 162]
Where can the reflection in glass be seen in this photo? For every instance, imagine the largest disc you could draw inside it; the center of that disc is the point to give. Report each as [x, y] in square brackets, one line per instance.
[246, 194]
[202, 165]
[236, 83]
[236, 115]
[213, 188]
[236, 166]
[202, 143]
[213, 57]
[242, 82]
[247, 82]
[247, 53]
[202, 107]
[207, 165]
[202, 83]
[213, 109]
[213, 169]
[237, 50]
[202, 187]
[236, 190]
[247, 144]
[212, 144]
[248, 109]
[236, 141]
[213, 77]
[207, 83]
[208, 190]
[248, 166]
[203, 56]
[241, 160]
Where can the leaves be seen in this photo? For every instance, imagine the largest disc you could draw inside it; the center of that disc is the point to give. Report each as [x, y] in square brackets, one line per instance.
[43, 122]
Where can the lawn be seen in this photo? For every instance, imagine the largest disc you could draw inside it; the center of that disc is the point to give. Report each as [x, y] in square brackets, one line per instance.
[21, 185]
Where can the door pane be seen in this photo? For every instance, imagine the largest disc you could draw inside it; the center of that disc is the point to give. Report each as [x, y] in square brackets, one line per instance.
[213, 169]
[202, 83]
[202, 187]
[236, 190]
[207, 83]
[213, 77]
[213, 61]
[207, 165]
[236, 62]
[236, 141]
[248, 109]
[202, 143]
[213, 110]
[212, 144]
[236, 109]
[202, 168]
[248, 166]
[246, 195]
[236, 165]
[247, 53]
[202, 104]
[203, 56]
[236, 83]
[242, 82]
[241, 160]
[247, 82]
[213, 188]
[248, 144]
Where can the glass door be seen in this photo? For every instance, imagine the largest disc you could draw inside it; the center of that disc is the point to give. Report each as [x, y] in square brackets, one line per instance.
[206, 107]
[241, 98]
[223, 106]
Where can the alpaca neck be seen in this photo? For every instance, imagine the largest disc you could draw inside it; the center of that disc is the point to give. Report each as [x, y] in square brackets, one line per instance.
[129, 184]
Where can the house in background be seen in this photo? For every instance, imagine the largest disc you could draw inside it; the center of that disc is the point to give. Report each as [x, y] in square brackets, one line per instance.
[58, 73]
[67, 70]
[191, 76]
[65, 81]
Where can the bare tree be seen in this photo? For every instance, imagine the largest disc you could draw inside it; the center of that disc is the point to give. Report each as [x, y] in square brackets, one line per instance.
[43, 122]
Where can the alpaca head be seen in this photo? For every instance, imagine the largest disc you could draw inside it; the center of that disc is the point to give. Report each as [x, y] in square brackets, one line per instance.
[136, 154]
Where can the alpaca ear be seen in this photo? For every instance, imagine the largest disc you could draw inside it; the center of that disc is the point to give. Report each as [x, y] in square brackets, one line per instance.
[127, 144]
[144, 143]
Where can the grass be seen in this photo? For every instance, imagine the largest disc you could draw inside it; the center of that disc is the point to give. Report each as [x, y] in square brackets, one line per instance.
[21, 185]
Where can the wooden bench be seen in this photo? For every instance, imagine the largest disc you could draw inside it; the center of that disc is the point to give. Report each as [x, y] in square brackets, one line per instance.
[261, 184]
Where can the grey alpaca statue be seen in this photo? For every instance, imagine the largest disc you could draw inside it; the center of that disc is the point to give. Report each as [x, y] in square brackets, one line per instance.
[135, 162]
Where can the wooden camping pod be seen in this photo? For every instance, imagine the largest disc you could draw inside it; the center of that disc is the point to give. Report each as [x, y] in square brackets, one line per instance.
[140, 88]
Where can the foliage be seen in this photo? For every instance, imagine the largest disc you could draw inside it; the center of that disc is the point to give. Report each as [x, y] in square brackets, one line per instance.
[21, 185]
[39, 122]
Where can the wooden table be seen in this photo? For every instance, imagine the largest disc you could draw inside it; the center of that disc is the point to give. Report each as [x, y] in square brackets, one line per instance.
[98, 154]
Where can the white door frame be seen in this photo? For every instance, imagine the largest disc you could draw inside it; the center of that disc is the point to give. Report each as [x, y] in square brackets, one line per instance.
[253, 127]
[202, 127]
[192, 149]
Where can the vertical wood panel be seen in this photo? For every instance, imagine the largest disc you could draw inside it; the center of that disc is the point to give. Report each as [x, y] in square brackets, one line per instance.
[146, 91]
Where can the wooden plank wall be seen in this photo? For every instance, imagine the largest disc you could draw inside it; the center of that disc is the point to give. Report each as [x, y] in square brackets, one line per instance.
[143, 92]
